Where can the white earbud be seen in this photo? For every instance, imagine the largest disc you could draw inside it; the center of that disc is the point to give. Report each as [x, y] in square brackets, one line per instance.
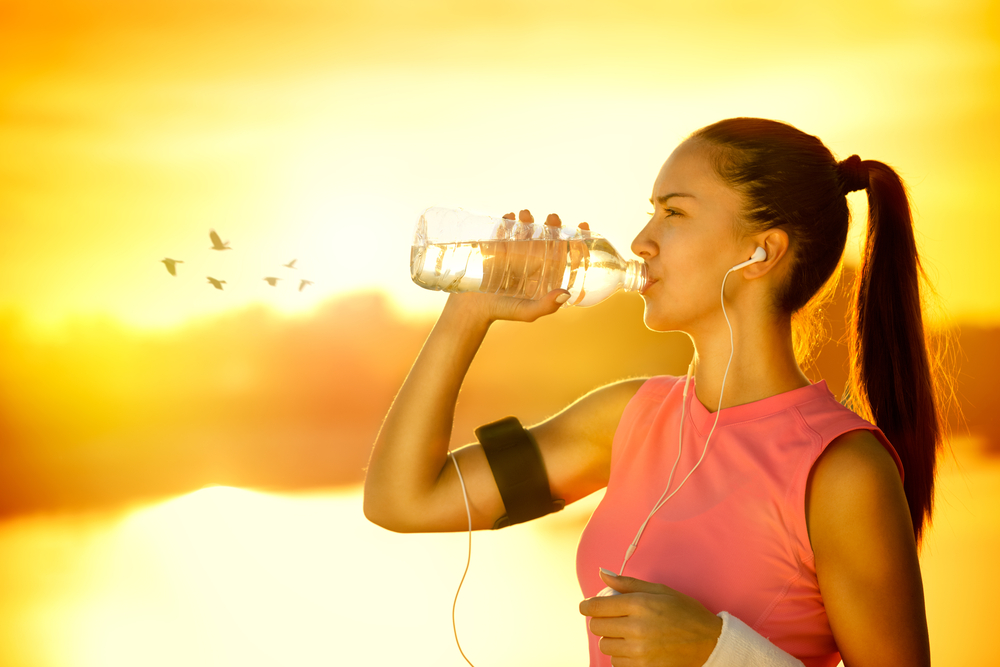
[759, 255]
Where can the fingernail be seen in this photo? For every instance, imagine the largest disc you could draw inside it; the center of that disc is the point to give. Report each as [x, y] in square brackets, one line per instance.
[609, 573]
[562, 298]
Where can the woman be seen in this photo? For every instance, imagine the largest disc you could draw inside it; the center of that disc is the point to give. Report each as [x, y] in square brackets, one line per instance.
[790, 517]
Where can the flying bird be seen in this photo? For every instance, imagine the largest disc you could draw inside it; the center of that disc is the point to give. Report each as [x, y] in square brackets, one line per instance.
[291, 264]
[217, 243]
[217, 283]
[172, 264]
[272, 281]
[303, 284]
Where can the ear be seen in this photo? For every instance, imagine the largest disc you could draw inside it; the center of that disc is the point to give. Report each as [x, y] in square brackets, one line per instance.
[775, 243]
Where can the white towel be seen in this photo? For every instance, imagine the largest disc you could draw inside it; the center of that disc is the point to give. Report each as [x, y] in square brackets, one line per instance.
[740, 646]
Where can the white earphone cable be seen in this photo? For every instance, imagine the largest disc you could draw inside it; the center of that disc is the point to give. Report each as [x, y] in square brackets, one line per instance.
[680, 441]
[468, 560]
[732, 348]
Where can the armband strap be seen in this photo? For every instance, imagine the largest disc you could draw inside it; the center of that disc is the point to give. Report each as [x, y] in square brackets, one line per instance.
[740, 646]
[519, 472]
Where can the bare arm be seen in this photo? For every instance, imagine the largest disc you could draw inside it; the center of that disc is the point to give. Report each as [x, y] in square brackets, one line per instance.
[866, 555]
[412, 487]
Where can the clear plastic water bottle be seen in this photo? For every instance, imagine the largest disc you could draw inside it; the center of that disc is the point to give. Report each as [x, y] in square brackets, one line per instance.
[455, 250]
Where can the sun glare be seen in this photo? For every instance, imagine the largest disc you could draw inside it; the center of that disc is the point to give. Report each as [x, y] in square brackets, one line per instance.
[227, 576]
[230, 576]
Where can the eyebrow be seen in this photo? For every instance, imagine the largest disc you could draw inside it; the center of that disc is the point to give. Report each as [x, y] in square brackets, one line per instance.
[663, 199]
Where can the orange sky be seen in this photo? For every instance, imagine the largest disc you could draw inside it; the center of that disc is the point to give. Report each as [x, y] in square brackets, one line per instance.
[319, 131]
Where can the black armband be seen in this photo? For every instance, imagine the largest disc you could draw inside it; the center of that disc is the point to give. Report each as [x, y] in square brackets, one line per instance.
[519, 472]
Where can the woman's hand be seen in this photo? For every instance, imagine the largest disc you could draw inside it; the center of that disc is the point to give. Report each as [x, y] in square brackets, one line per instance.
[491, 307]
[520, 278]
[651, 624]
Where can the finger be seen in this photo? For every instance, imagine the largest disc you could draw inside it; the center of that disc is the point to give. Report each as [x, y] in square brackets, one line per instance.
[533, 287]
[613, 646]
[578, 254]
[554, 268]
[619, 626]
[609, 607]
[632, 585]
[524, 310]
[548, 304]
[494, 263]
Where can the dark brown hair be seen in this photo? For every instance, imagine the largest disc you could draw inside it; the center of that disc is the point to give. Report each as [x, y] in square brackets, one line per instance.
[789, 179]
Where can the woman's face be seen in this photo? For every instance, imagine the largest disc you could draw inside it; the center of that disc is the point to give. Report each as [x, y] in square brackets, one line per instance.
[689, 242]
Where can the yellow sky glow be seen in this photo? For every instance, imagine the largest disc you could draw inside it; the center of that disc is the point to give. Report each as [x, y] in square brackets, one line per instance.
[319, 131]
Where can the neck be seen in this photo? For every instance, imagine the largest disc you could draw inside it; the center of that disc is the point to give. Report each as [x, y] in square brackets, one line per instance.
[763, 361]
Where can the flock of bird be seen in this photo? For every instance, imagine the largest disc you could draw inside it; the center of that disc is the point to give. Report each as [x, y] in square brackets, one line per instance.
[218, 244]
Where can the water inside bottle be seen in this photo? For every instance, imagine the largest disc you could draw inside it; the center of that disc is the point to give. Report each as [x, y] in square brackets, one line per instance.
[589, 268]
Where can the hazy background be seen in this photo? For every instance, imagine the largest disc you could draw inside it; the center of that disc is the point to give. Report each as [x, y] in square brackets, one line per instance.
[318, 131]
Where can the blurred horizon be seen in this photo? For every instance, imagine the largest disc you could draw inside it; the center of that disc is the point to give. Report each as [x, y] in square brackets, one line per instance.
[109, 416]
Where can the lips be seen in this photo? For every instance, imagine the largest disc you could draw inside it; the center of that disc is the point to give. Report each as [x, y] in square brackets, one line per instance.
[649, 283]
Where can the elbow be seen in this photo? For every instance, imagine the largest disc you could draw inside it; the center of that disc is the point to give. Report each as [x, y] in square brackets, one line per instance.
[389, 522]
[379, 517]
[380, 512]
[375, 510]
[375, 505]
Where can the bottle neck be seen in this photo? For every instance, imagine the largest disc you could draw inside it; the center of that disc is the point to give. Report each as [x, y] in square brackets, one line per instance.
[635, 275]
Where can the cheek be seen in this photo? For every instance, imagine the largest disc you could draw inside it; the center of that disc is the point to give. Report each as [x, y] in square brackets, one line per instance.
[697, 273]
[688, 290]
[685, 276]
[689, 252]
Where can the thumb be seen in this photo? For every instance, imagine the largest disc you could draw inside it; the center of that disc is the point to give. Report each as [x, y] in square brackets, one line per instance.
[630, 584]
[531, 310]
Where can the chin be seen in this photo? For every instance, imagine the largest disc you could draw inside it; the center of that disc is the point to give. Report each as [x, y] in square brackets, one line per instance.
[654, 320]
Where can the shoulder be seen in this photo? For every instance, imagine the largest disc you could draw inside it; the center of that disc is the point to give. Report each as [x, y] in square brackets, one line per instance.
[593, 419]
[845, 439]
[612, 400]
[857, 460]
[616, 395]
[623, 389]
[854, 486]
[600, 410]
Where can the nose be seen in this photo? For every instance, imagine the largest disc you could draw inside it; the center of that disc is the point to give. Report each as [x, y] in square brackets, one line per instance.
[643, 245]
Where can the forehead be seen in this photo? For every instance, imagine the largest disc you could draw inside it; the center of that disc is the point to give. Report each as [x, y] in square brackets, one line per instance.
[689, 170]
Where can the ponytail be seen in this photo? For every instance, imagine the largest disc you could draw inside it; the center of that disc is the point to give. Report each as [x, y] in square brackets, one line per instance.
[891, 381]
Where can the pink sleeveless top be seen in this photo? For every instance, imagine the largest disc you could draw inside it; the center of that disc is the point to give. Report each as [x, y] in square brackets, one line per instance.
[734, 537]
